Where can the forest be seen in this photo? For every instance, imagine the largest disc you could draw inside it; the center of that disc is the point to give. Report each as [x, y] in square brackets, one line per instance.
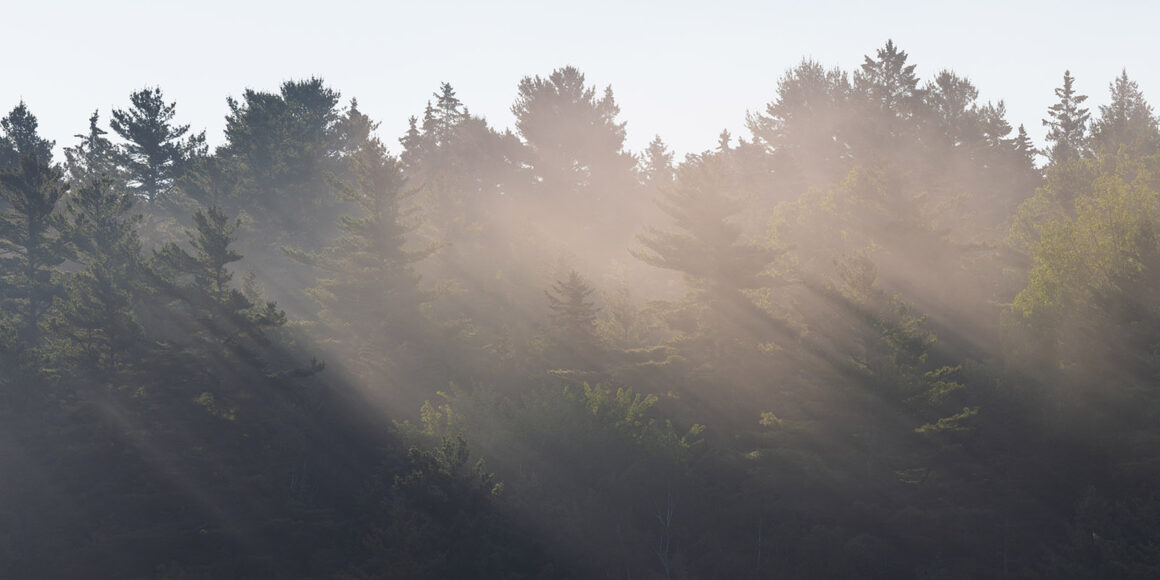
[881, 335]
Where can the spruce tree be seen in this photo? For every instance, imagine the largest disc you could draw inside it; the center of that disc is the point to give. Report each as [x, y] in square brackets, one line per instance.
[1067, 124]
[573, 318]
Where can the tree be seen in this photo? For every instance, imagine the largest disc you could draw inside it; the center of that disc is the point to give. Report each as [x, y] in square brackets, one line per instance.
[573, 318]
[1067, 124]
[1127, 121]
[94, 156]
[21, 138]
[950, 100]
[367, 286]
[1092, 290]
[809, 128]
[285, 144]
[657, 163]
[95, 321]
[718, 265]
[576, 143]
[706, 247]
[154, 153]
[888, 83]
[1025, 147]
[30, 241]
[228, 321]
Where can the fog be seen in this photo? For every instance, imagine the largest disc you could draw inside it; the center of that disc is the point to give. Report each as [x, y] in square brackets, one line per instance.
[881, 333]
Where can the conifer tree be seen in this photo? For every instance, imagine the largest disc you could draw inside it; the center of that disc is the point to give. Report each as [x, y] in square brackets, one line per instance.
[94, 156]
[225, 315]
[20, 137]
[573, 317]
[155, 150]
[1127, 121]
[1067, 124]
[576, 143]
[95, 320]
[657, 163]
[888, 83]
[30, 242]
[367, 286]
[285, 144]
[708, 249]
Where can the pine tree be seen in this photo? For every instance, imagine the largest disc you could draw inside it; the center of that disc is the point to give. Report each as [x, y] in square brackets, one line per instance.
[228, 321]
[1127, 121]
[21, 138]
[708, 249]
[94, 156]
[1067, 125]
[30, 242]
[285, 144]
[154, 152]
[95, 321]
[809, 128]
[950, 100]
[367, 287]
[576, 143]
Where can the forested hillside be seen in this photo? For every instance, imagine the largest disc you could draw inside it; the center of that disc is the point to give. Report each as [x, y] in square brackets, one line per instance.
[882, 335]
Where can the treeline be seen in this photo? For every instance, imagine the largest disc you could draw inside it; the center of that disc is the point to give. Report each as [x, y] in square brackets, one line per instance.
[872, 338]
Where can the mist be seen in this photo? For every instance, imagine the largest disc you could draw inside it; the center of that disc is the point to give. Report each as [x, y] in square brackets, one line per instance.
[880, 334]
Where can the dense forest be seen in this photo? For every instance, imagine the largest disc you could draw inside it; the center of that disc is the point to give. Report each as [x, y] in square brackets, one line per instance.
[882, 335]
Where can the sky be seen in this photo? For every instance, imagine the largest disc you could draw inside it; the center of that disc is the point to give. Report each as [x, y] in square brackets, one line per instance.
[681, 70]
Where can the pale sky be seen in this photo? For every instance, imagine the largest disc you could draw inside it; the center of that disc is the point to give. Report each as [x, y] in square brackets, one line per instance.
[683, 70]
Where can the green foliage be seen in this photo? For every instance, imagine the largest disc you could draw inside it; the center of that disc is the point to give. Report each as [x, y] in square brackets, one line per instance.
[1108, 241]
[1126, 122]
[1067, 131]
[839, 331]
[576, 143]
[21, 138]
[202, 282]
[155, 150]
[30, 242]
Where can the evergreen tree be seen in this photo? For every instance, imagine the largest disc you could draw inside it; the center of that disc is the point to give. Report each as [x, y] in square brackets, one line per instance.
[708, 249]
[1025, 147]
[96, 321]
[950, 100]
[20, 138]
[1067, 126]
[576, 143]
[154, 153]
[657, 163]
[809, 128]
[367, 286]
[888, 83]
[227, 320]
[1127, 121]
[93, 157]
[285, 144]
[573, 318]
[30, 242]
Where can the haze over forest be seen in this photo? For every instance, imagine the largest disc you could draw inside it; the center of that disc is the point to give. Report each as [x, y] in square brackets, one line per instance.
[878, 334]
